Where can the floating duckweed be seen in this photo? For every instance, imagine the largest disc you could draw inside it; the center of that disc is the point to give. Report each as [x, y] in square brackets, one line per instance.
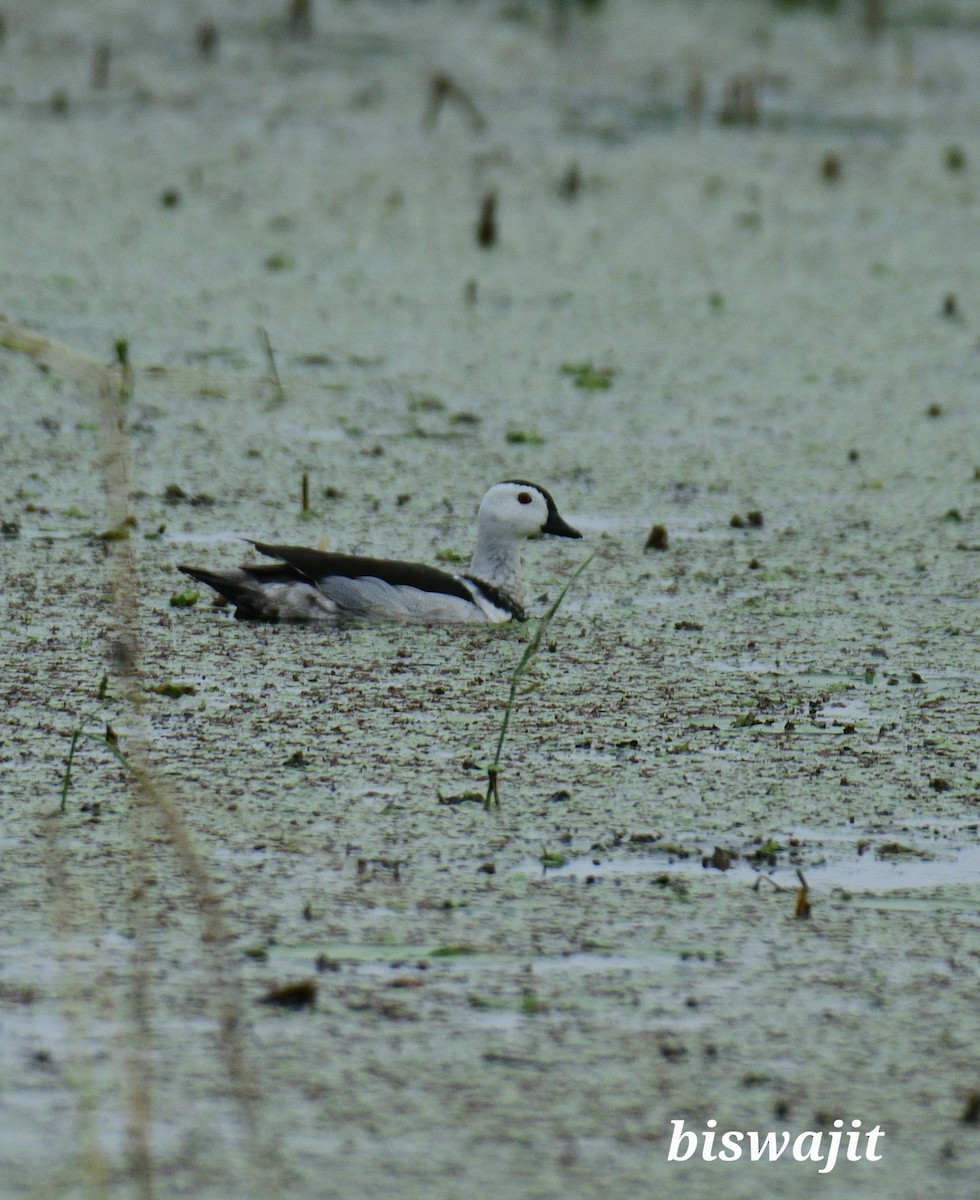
[454, 950]
[279, 262]
[767, 849]
[955, 158]
[173, 690]
[424, 402]
[463, 798]
[185, 599]
[119, 534]
[899, 850]
[745, 720]
[523, 437]
[588, 376]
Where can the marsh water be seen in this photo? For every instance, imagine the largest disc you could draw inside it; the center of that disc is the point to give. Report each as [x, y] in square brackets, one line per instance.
[268, 940]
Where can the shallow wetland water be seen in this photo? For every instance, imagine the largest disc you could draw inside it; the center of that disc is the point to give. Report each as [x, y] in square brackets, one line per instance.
[733, 291]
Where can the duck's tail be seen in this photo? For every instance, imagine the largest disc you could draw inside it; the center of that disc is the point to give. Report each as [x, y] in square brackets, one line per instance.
[234, 587]
[273, 592]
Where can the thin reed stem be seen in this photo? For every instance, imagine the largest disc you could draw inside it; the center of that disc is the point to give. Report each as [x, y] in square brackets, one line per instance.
[492, 799]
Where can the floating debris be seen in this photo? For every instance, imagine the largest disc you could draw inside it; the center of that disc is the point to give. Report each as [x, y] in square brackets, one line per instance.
[173, 493]
[954, 158]
[741, 105]
[207, 38]
[656, 538]
[486, 226]
[720, 859]
[751, 520]
[570, 184]
[300, 994]
[101, 61]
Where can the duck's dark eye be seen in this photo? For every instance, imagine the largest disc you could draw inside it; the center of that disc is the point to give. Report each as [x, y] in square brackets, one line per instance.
[523, 497]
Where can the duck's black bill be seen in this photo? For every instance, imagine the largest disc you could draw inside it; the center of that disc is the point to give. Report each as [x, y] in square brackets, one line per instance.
[557, 526]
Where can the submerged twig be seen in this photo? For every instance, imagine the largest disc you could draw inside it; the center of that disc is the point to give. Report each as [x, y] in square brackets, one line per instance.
[66, 781]
[803, 906]
[443, 87]
[299, 18]
[486, 226]
[101, 59]
[492, 799]
[273, 369]
[125, 391]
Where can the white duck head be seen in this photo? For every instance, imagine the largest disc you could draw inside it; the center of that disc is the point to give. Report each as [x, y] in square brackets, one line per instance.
[510, 513]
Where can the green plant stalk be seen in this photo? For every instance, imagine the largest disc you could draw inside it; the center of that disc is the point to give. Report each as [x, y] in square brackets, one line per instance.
[103, 740]
[530, 650]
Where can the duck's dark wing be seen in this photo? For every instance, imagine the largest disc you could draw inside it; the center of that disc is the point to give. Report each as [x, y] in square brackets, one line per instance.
[316, 565]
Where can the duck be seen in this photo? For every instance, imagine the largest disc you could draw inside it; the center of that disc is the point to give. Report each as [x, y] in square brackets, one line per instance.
[304, 585]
